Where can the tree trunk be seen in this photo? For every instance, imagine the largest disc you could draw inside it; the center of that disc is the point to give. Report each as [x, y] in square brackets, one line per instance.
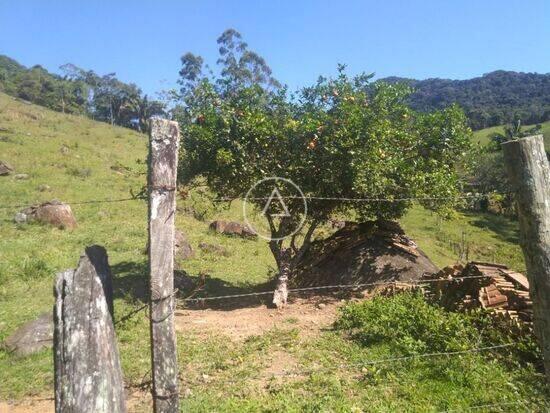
[280, 295]
[163, 165]
[88, 377]
[529, 175]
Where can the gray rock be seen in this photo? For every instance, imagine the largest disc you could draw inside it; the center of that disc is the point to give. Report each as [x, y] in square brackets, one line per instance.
[55, 213]
[182, 247]
[32, 337]
[214, 249]
[5, 168]
[232, 228]
[21, 177]
[20, 218]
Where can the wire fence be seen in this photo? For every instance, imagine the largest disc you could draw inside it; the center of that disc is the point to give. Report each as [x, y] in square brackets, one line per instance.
[229, 199]
[410, 283]
[335, 287]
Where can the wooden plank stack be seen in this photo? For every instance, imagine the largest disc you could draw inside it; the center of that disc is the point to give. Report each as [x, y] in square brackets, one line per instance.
[505, 292]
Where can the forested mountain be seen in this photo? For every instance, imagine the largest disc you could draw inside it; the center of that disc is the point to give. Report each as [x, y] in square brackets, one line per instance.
[493, 99]
[78, 91]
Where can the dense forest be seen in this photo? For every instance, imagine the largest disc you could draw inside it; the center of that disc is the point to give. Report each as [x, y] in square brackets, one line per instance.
[79, 91]
[493, 99]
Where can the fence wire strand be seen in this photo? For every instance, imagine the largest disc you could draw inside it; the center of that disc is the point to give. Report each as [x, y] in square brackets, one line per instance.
[307, 198]
[335, 286]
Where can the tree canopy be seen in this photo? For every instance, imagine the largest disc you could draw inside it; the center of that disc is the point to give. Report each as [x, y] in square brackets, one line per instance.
[339, 138]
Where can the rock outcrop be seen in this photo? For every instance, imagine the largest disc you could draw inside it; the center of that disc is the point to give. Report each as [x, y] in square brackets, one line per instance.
[232, 228]
[31, 337]
[55, 213]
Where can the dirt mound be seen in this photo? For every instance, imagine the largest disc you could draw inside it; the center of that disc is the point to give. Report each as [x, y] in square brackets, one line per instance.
[363, 253]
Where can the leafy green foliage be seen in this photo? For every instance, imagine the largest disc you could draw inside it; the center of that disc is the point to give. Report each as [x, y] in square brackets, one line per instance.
[409, 323]
[340, 138]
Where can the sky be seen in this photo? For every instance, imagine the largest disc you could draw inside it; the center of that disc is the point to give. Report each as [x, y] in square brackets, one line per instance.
[143, 40]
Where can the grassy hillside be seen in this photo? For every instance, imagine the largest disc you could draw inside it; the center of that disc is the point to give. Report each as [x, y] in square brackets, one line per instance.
[482, 136]
[83, 160]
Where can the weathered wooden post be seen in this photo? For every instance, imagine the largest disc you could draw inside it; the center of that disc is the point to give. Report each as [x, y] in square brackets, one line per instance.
[529, 175]
[163, 165]
[88, 378]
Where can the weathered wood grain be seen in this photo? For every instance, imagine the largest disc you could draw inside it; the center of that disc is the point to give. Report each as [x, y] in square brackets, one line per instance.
[163, 164]
[529, 175]
[88, 377]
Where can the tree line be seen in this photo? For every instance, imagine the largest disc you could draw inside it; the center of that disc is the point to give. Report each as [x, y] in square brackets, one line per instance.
[78, 91]
[493, 99]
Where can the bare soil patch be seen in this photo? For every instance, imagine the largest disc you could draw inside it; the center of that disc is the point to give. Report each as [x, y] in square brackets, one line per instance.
[308, 315]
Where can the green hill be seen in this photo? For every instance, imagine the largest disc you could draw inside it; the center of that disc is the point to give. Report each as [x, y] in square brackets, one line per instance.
[482, 136]
[81, 160]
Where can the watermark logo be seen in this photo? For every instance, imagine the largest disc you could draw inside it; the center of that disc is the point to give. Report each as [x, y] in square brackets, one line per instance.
[275, 203]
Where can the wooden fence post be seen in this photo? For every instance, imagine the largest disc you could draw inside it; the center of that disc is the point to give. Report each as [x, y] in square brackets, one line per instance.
[529, 175]
[88, 378]
[163, 165]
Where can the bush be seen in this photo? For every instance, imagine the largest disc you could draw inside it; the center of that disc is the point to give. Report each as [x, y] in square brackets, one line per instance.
[409, 323]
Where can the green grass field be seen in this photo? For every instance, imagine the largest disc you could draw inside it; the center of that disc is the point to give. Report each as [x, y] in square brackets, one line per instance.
[101, 162]
[482, 136]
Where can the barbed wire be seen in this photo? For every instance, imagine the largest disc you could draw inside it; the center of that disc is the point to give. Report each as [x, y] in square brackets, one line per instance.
[328, 198]
[335, 286]
[92, 201]
[229, 199]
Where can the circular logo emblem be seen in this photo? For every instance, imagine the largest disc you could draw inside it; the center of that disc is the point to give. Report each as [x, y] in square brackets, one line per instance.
[275, 203]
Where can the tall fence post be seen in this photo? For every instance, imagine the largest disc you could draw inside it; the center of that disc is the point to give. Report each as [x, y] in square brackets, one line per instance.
[163, 165]
[529, 175]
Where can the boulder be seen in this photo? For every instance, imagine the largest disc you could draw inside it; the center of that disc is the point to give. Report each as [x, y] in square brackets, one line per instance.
[182, 247]
[5, 168]
[232, 228]
[32, 336]
[214, 249]
[55, 213]
[21, 177]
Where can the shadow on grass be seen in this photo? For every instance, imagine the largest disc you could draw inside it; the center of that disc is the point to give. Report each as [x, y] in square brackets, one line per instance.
[505, 228]
[131, 283]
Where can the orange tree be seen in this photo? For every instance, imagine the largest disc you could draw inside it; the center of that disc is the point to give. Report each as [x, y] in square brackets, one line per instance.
[342, 138]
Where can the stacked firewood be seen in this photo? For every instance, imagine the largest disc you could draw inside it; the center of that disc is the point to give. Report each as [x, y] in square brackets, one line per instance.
[493, 286]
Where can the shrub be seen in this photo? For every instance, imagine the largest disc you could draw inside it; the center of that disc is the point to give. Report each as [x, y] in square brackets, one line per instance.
[407, 322]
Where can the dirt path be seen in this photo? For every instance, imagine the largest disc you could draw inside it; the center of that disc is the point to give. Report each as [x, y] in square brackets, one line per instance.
[42, 405]
[309, 316]
[137, 401]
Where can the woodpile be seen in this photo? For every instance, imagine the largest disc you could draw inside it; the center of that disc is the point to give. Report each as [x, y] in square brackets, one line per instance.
[492, 286]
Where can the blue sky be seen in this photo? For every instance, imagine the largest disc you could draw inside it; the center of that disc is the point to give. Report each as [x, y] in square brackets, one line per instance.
[142, 41]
